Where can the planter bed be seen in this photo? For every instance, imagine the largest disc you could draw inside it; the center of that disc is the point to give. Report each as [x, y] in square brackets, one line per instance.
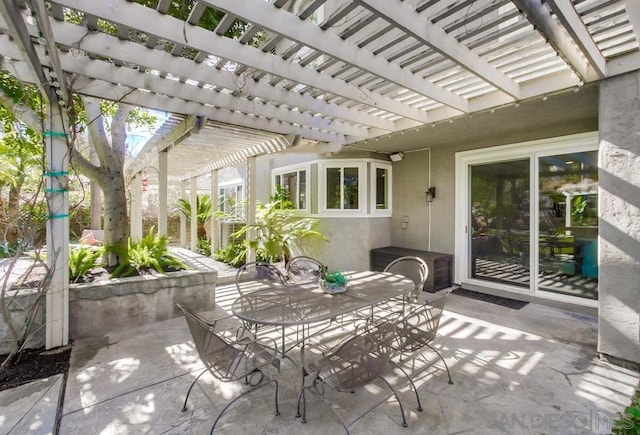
[95, 309]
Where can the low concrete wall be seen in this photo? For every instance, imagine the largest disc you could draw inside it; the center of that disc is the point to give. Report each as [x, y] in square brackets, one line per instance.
[99, 308]
[17, 308]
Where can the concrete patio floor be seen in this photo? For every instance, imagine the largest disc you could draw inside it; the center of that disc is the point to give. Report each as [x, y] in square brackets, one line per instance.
[526, 371]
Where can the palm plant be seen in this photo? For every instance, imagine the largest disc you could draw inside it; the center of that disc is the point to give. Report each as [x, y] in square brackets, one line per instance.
[277, 232]
[203, 212]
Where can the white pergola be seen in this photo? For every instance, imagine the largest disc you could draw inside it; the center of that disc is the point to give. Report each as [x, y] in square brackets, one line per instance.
[325, 72]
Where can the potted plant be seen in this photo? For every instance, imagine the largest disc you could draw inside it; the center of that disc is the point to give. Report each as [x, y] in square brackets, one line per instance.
[332, 282]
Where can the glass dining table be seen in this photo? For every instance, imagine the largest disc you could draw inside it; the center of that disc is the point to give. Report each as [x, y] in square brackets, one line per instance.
[302, 304]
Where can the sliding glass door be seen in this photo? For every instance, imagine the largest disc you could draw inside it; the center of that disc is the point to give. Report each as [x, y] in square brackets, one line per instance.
[568, 224]
[530, 218]
[500, 222]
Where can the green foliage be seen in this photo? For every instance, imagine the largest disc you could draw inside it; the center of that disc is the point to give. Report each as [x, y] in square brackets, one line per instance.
[277, 231]
[628, 423]
[150, 253]
[203, 208]
[82, 260]
[204, 246]
[233, 254]
[282, 198]
[579, 206]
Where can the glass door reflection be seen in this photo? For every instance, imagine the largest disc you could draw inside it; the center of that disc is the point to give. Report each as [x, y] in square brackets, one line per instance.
[500, 222]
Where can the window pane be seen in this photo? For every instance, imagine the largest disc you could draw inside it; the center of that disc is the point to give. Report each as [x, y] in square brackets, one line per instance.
[568, 209]
[290, 184]
[350, 188]
[333, 188]
[500, 219]
[302, 183]
[382, 202]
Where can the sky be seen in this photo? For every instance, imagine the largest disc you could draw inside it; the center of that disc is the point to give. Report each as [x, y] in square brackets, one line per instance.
[138, 137]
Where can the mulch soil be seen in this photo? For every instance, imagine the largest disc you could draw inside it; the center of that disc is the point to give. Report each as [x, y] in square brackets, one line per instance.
[35, 364]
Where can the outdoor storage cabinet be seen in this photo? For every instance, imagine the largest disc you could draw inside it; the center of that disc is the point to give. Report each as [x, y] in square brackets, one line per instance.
[440, 265]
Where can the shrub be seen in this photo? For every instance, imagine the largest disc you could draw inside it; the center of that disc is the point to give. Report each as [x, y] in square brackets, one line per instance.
[204, 246]
[82, 260]
[628, 423]
[233, 254]
[150, 253]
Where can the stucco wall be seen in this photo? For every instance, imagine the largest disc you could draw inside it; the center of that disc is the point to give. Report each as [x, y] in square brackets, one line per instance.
[350, 240]
[619, 223]
[483, 130]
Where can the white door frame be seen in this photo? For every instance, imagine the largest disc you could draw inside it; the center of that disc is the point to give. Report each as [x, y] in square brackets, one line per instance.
[532, 150]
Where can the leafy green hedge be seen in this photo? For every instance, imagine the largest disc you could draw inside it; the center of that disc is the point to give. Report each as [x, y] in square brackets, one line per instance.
[628, 423]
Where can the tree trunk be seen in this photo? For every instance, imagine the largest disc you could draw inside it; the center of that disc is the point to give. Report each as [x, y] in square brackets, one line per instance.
[13, 212]
[116, 219]
[95, 209]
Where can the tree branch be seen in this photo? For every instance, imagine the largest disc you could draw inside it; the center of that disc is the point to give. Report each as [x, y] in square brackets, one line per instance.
[97, 130]
[119, 132]
[22, 112]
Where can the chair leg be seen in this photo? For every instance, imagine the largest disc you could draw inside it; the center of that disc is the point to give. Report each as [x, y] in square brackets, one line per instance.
[415, 390]
[404, 420]
[301, 395]
[445, 363]
[276, 398]
[184, 405]
[240, 396]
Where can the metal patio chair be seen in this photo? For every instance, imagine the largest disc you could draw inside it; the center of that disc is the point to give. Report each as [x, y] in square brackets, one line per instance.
[304, 269]
[258, 275]
[231, 358]
[411, 267]
[417, 329]
[355, 361]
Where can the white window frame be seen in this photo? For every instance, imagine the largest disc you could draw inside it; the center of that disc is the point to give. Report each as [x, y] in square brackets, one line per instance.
[363, 192]
[307, 189]
[240, 212]
[375, 165]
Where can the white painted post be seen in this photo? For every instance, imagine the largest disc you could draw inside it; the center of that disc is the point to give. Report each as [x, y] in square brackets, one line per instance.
[194, 214]
[57, 179]
[135, 190]
[215, 233]
[163, 182]
[183, 218]
[251, 203]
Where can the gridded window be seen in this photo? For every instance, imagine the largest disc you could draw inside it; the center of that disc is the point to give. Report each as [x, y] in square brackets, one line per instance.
[230, 201]
[343, 186]
[382, 185]
[294, 184]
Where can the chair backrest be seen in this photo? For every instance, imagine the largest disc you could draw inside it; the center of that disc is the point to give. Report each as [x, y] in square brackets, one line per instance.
[414, 268]
[419, 326]
[224, 361]
[360, 359]
[303, 268]
[258, 275]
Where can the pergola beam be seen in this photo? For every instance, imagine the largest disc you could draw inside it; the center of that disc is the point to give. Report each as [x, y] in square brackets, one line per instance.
[150, 152]
[128, 77]
[396, 12]
[149, 21]
[108, 91]
[539, 16]
[290, 26]
[14, 22]
[112, 48]
[568, 16]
